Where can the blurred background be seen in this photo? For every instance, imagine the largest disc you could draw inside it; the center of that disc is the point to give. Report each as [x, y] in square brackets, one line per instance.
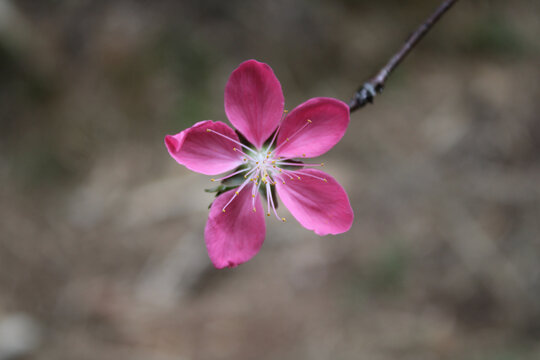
[101, 233]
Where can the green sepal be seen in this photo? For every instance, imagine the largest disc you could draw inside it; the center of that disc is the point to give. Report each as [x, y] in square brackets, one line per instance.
[219, 189]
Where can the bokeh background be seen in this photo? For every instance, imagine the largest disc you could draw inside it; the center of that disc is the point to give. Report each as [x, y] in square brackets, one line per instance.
[101, 232]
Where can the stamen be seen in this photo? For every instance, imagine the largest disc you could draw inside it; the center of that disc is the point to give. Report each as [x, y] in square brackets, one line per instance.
[299, 164]
[234, 141]
[292, 136]
[269, 195]
[243, 153]
[255, 190]
[249, 173]
[268, 178]
[230, 175]
[285, 111]
[274, 138]
[286, 173]
[237, 192]
[313, 176]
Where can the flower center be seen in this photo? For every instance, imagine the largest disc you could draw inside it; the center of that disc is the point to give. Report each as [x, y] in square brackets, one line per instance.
[263, 168]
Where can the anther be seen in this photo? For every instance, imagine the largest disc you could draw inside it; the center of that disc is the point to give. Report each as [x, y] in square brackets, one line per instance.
[212, 180]
[234, 149]
[309, 121]
[322, 164]
[273, 161]
[303, 155]
[254, 210]
[325, 180]
[236, 192]
[283, 219]
[253, 196]
[223, 210]
[285, 111]
[268, 214]
[287, 139]
[208, 130]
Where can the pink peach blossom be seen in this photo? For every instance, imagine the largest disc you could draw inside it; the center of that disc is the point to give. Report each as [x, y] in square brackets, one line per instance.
[254, 104]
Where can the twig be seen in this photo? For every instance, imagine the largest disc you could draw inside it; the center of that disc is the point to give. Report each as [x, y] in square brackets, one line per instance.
[367, 92]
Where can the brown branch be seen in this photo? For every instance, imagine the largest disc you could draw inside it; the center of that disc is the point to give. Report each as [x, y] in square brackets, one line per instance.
[367, 92]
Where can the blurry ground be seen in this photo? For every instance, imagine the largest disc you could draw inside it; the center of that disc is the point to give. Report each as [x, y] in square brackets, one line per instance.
[101, 248]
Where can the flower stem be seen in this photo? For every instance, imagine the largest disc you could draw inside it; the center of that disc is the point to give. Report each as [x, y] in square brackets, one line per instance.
[367, 92]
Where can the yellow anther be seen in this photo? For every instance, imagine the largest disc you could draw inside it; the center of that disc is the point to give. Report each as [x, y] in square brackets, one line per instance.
[325, 180]
[256, 162]
[223, 210]
[285, 111]
[287, 139]
[236, 192]
[252, 195]
[208, 130]
[268, 214]
[244, 159]
[303, 155]
[280, 170]
[254, 210]
[309, 121]
[299, 178]
[283, 219]
[274, 166]
[234, 149]
[322, 164]
[212, 179]
[273, 161]
[283, 182]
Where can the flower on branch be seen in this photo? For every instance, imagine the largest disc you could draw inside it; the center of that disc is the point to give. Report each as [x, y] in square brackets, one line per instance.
[263, 159]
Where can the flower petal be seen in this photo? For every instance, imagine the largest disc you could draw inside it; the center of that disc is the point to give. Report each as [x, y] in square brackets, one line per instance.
[254, 101]
[236, 235]
[317, 205]
[205, 152]
[329, 120]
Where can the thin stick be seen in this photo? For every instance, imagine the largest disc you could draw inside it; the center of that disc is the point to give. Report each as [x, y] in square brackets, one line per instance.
[367, 92]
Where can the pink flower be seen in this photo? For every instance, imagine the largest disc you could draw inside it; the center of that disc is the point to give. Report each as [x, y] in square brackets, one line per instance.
[254, 104]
